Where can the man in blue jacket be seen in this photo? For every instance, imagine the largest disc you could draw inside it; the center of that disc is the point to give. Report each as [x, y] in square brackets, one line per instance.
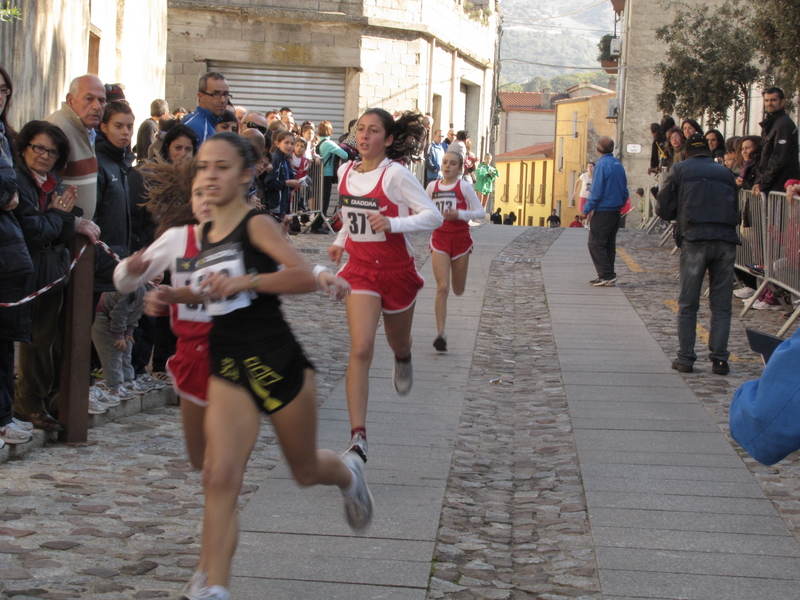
[701, 196]
[212, 100]
[607, 197]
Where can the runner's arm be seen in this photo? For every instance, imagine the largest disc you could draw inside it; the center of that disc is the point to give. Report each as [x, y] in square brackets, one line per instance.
[475, 210]
[402, 187]
[160, 255]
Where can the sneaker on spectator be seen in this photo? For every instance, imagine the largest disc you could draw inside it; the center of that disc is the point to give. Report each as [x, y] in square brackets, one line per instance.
[135, 387]
[11, 434]
[745, 292]
[596, 280]
[24, 425]
[96, 404]
[605, 282]
[121, 391]
[761, 305]
[151, 383]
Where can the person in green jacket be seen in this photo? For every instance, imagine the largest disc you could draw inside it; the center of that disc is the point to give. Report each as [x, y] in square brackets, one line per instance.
[485, 175]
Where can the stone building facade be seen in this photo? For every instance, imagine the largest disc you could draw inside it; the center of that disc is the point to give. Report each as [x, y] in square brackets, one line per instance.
[121, 41]
[333, 59]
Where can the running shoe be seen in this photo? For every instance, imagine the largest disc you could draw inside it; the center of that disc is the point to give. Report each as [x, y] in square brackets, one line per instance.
[440, 343]
[605, 282]
[134, 387]
[122, 391]
[11, 434]
[761, 305]
[596, 280]
[358, 506]
[96, 404]
[147, 379]
[358, 444]
[745, 292]
[196, 587]
[403, 376]
[24, 425]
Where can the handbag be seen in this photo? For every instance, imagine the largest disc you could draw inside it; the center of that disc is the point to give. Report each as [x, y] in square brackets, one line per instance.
[53, 263]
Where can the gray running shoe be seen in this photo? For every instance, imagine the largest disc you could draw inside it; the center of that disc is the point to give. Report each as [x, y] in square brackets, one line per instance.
[357, 508]
[403, 376]
[358, 444]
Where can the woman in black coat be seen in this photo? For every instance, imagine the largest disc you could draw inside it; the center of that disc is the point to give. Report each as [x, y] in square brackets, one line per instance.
[112, 214]
[48, 218]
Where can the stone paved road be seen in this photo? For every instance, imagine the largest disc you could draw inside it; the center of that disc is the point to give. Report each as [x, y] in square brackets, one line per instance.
[119, 517]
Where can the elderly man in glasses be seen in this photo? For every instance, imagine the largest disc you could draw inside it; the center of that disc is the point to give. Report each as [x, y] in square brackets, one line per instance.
[212, 100]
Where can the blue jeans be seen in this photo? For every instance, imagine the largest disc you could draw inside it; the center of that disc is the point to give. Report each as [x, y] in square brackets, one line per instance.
[696, 257]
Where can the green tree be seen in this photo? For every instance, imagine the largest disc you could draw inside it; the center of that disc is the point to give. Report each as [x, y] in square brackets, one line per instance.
[536, 84]
[562, 82]
[9, 13]
[710, 61]
[776, 28]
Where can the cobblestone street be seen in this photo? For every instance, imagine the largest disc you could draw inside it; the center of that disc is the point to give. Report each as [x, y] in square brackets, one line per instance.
[119, 517]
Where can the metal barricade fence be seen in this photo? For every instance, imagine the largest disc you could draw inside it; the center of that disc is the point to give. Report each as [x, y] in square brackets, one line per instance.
[307, 200]
[779, 247]
[752, 211]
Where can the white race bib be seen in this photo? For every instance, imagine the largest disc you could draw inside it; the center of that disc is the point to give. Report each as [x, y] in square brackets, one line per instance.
[226, 259]
[355, 212]
[445, 200]
[184, 269]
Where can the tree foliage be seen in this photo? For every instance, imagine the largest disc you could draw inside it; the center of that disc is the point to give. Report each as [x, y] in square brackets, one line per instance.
[775, 26]
[710, 61]
[9, 13]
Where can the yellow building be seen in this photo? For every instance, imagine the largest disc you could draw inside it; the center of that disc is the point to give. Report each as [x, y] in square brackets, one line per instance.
[580, 122]
[525, 184]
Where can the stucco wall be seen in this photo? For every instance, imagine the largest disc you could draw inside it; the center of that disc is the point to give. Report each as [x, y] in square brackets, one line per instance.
[49, 47]
[522, 129]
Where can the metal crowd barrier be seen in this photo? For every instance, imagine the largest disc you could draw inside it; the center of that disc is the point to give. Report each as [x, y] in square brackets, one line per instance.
[310, 196]
[773, 243]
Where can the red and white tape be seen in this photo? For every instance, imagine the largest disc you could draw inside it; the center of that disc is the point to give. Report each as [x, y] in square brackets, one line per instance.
[74, 262]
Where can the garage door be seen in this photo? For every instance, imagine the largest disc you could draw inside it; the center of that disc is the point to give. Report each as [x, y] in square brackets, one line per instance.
[313, 94]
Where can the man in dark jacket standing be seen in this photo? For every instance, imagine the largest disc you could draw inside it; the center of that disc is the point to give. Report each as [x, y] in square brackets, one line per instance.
[701, 196]
[607, 197]
[779, 158]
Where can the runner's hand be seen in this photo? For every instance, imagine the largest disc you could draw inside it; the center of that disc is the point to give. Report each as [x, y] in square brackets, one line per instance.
[156, 302]
[219, 285]
[334, 286]
[335, 254]
[379, 223]
[136, 264]
[450, 214]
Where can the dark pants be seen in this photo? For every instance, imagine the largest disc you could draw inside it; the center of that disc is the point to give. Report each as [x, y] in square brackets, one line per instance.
[6, 381]
[327, 186]
[143, 337]
[603, 228]
[40, 361]
[696, 257]
[164, 344]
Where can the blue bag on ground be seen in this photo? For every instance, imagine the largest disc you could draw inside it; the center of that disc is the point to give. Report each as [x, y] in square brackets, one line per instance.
[765, 413]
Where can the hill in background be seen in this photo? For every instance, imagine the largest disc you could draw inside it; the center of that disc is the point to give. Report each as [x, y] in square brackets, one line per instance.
[530, 35]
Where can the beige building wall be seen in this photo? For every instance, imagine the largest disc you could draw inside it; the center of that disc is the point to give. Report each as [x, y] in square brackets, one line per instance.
[50, 46]
[520, 129]
[398, 53]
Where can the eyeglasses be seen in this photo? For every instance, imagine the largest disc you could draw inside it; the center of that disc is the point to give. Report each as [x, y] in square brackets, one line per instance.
[42, 150]
[5, 91]
[261, 128]
[217, 95]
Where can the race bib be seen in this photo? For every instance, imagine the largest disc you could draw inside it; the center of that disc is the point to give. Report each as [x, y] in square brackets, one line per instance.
[356, 211]
[445, 200]
[226, 259]
[184, 269]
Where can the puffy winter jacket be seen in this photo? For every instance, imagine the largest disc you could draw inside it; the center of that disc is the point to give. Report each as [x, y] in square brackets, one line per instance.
[702, 197]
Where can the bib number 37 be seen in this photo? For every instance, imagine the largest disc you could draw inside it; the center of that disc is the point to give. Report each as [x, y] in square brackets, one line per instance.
[356, 210]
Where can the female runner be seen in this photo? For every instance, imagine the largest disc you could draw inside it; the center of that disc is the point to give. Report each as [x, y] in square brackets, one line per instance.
[451, 244]
[381, 202]
[256, 364]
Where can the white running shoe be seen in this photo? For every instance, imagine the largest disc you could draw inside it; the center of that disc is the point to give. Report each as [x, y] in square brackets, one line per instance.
[151, 382]
[196, 587]
[358, 508]
[761, 305]
[24, 425]
[403, 376]
[358, 444]
[96, 404]
[11, 434]
[745, 292]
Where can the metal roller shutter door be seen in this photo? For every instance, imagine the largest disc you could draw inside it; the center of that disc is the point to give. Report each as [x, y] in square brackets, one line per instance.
[313, 94]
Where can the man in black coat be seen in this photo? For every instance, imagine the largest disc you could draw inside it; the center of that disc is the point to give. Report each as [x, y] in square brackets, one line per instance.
[702, 197]
[779, 157]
